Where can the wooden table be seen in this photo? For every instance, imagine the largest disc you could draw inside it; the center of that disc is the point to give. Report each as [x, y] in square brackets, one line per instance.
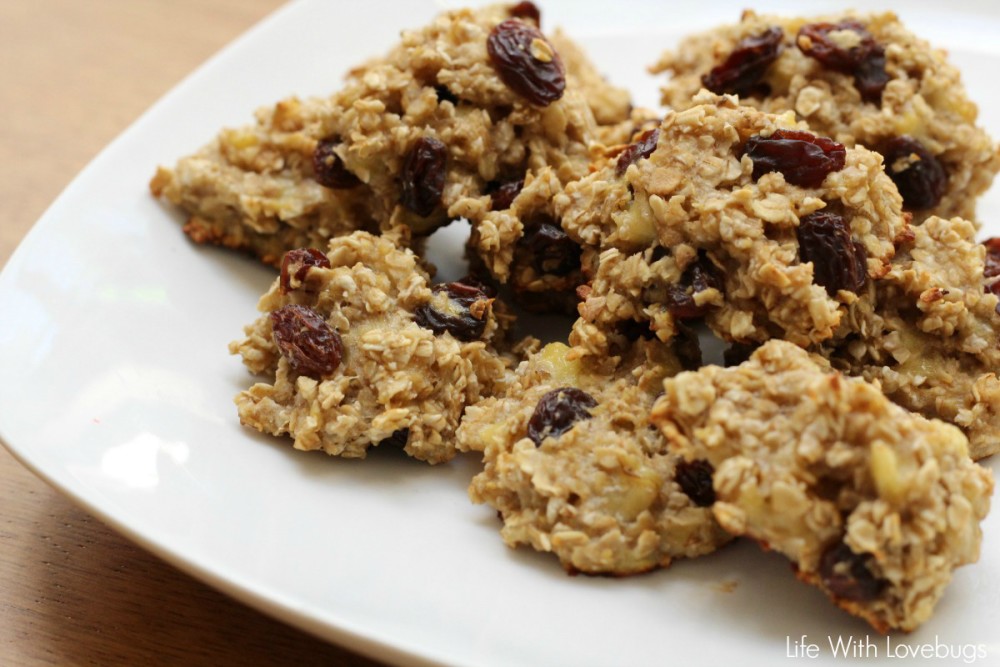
[72, 592]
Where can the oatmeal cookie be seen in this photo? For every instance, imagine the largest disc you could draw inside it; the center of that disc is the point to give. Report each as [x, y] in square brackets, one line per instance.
[927, 331]
[454, 113]
[573, 466]
[360, 349]
[861, 79]
[734, 215]
[873, 504]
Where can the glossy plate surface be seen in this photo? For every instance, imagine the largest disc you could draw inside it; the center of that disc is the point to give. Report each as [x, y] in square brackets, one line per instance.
[117, 389]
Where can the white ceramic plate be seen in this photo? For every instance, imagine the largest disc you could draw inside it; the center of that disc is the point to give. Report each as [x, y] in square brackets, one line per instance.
[116, 388]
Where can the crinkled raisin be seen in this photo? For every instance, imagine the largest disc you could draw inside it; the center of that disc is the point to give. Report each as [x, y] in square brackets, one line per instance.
[695, 480]
[815, 41]
[504, 195]
[526, 10]
[992, 267]
[329, 169]
[804, 158]
[920, 177]
[303, 337]
[699, 276]
[423, 175]
[641, 148]
[557, 411]
[864, 58]
[526, 62]
[741, 71]
[551, 251]
[463, 316]
[475, 281]
[296, 264]
[839, 263]
[847, 576]
[870, 77]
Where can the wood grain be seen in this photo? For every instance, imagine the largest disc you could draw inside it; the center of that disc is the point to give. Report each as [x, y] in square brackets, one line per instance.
[73, 75]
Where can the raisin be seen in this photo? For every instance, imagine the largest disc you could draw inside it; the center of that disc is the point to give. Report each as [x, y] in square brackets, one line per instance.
[329, 169]
[641, 148]
[742, 70]
[870, 77]
[839, 263]
[423, 176]
[695, 480]
[296, 264]
[865, 60]
[992, 267]
[303, 337]
[701, 275]
[919, 176]
[814, 40]
[474, 281]
[551, 250]
[504, 195]
[847, 576]
[557, 411]
[465, 319]
[526, 10]
[526, 62]
[804, 158]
